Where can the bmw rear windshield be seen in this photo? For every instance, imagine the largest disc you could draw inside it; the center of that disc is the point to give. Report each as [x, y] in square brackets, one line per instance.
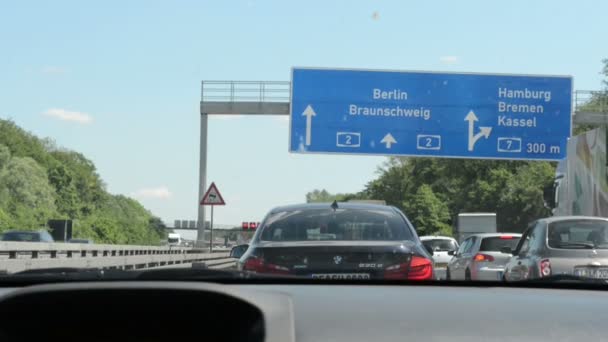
[340, 225]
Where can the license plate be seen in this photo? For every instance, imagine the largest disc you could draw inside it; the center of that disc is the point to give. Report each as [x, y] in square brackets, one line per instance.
[341, 276]
[592, 272]
[441, 265]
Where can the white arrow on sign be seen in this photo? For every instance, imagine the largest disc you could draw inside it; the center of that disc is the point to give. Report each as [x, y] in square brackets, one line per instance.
[484, 131]
[308, 113]
[389, 140]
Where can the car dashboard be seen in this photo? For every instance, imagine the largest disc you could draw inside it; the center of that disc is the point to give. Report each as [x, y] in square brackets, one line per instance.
[168, 310]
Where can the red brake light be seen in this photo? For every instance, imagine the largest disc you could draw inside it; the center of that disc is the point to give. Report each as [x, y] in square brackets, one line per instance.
[507, 237]
[253, 265]
[482, 257]
[258, 265]
[545, 268]
[419, 268]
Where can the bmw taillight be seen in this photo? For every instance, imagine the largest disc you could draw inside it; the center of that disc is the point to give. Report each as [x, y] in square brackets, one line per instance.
[480, 257]
[419, 268]
[257, 265]
[545, 268]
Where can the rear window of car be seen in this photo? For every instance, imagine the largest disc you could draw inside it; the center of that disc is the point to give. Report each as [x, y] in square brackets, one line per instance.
[341, 224]
[15, 236]
[441, 245]
[496, 243]
[575, 234]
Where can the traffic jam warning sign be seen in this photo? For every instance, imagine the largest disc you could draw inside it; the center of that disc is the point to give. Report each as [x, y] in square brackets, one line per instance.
[212, 196]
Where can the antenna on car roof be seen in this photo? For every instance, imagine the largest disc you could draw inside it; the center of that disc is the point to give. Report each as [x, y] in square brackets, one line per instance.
[334, 205]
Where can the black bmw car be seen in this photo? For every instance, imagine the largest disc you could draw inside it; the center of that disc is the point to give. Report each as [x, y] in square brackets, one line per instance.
[338, 241]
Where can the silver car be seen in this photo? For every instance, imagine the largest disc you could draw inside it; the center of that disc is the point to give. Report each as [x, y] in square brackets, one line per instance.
[569, 245]
[482, 257]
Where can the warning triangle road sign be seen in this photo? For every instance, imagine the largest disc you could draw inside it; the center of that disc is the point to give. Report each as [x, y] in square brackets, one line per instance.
[212, 196]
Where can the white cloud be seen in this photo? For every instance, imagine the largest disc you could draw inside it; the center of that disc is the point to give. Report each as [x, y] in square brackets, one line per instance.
[66, 115]
[161, 192]
[53, 70]
[449, 59]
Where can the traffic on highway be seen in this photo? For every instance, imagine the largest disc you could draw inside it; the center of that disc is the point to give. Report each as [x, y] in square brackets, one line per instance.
[310, 171]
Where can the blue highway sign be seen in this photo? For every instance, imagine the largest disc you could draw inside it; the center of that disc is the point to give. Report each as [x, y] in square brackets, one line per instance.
[430, 114]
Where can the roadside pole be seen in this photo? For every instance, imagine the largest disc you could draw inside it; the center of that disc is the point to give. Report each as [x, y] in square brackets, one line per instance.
[211, 232]
[202, 182]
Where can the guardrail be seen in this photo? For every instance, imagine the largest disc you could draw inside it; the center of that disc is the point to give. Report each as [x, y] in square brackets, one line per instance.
[21, 256]
[248, 91]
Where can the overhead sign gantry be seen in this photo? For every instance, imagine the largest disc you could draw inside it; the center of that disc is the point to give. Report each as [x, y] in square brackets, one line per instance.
[430, 114]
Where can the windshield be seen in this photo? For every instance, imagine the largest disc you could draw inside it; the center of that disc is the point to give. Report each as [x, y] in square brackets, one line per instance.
[578, 234]
[376, 140]
[495, 244]
[441, 245]
[340, 224]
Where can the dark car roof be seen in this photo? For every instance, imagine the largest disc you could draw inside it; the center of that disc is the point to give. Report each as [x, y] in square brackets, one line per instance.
[343, 205]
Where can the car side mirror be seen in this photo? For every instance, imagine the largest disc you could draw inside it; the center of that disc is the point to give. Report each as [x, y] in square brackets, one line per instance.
[234, 252]
[238, 251]
[549, 196]
[452, 253]
[428, 249]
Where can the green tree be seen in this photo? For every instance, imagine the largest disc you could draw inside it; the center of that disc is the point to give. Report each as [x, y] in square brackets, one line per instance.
[428, 213]
[5, 156]
[320, 196]
[61, 178]
[462, 186]
[84, 181]
[523, 193]
[22, 143]
[40, 181]
[6, 221]
[26, 193]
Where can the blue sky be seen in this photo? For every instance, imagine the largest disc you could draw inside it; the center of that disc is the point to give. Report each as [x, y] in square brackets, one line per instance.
[120, 80]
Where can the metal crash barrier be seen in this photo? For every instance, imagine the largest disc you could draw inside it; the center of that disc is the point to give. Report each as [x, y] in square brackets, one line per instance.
[21, 256]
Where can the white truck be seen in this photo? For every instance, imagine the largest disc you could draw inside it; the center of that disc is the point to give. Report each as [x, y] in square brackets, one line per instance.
[174, 239]
[581, 184]
[474, 223]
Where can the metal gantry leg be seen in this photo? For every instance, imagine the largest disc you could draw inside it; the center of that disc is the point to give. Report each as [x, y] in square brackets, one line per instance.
[202, 180]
